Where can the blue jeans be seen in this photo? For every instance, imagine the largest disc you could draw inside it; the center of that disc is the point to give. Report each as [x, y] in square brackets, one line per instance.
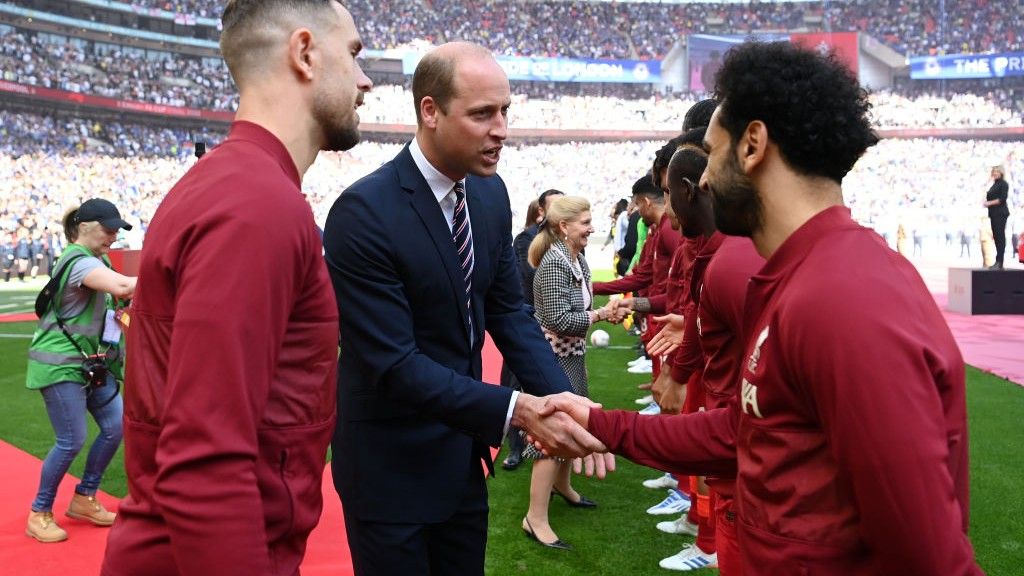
[66, 404]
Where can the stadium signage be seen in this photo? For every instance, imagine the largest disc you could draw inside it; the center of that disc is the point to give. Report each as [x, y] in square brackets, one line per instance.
[957, 66]
[112, 103]
[580, 70]
[568, 69]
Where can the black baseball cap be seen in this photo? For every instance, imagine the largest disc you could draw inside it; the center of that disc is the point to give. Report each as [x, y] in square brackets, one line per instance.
[102, 211]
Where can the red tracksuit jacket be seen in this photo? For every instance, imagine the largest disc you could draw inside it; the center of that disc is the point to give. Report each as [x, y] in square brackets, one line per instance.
[849, 425]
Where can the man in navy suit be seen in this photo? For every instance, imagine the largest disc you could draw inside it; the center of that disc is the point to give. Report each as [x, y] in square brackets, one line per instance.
[418, 280]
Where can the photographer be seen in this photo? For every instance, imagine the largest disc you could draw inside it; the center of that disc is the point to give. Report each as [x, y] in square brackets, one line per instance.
[75, 361]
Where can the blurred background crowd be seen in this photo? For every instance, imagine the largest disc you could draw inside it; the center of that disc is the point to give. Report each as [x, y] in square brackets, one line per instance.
[648, 29]
[932, 188]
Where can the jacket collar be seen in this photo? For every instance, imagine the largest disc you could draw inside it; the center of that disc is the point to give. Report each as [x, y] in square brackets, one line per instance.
[251, 132]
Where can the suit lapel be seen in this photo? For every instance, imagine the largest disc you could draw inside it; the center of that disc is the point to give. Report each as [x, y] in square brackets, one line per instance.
[429, 212]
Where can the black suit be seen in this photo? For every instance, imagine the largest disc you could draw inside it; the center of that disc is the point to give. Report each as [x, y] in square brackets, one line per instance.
[998, 214]
[414, 419]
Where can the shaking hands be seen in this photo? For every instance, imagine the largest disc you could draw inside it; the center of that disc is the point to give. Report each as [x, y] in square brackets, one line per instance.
[557, 426]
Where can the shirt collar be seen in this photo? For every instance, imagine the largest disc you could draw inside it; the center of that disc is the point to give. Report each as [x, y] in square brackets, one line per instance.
[794, 248]
[244, 130]
[439, 184]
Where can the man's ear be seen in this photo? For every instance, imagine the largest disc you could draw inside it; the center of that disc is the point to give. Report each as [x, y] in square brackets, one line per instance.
[429, 111]
[752, 146]
[302, 53]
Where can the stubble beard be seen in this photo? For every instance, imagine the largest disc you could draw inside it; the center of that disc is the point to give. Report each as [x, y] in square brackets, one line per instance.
[736, 204]
[341, 131]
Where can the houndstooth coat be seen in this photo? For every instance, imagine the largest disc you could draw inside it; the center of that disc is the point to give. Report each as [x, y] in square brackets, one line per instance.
[558, 300]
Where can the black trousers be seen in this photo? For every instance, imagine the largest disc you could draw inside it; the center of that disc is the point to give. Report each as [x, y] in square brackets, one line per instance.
[999, 236]
[454, 547]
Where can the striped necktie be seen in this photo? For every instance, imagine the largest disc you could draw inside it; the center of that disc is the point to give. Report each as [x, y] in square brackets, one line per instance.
[463, 237]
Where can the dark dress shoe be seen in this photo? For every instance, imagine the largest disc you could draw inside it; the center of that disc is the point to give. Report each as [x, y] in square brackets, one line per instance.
[583, 502]
[558, 544]
[511, 462]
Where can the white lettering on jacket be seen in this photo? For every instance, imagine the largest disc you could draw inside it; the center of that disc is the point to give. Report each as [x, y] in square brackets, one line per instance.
[750, 399]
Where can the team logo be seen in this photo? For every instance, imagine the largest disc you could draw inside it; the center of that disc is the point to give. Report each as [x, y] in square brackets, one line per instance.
[755, 356]
[700, 294]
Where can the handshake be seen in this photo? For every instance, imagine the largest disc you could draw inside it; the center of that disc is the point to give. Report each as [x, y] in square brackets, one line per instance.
[557, 426]
[616, 310]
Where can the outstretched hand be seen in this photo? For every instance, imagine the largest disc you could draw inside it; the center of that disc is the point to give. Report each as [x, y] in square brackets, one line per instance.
[669, 337]
[596, 464]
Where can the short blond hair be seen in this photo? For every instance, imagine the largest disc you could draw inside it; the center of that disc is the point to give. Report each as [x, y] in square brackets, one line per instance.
[562, 209]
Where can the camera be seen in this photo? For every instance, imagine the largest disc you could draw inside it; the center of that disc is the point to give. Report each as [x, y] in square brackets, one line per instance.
[94, 369]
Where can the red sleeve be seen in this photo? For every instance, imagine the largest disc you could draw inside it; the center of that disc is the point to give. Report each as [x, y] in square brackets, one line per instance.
[689, 357]
[227, 334]
[638, 279]
[882, 387]
[703, 443]
[669, 240]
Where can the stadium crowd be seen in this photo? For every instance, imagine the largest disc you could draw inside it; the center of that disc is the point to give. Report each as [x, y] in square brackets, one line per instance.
[177, 80]
[642, 30]
[115, 71]
[25, 133]
[929, 186]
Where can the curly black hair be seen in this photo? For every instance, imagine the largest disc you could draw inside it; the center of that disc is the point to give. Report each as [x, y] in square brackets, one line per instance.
[811, 103]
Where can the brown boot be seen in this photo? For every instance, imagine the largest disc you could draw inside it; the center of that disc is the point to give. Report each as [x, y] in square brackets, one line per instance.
[44, 528]
[88, 508]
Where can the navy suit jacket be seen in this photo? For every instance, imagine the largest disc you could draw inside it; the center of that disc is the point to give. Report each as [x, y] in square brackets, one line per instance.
[413, 413]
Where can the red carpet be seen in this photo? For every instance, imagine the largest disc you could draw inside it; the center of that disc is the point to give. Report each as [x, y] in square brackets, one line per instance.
[19, 317]
[992, 343]
[82, 554]
[19, 554]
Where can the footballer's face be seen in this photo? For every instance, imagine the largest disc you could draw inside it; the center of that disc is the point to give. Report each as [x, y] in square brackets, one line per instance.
[737, 206]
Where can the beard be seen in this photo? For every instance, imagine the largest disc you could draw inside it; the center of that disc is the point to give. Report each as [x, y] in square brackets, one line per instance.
[689, 230]
[341, 131]
[735, 201]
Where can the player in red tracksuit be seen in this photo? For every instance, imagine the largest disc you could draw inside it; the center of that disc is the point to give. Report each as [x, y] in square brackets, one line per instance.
[712, 337]
[651, 270]
[720, 317]
[848, 432]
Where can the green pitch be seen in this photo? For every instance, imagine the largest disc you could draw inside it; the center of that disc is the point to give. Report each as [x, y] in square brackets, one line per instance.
[618, 537]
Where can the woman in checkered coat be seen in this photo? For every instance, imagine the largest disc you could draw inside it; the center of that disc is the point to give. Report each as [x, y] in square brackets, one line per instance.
[563, 299]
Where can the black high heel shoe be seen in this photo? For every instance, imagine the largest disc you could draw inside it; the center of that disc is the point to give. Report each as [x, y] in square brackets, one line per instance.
[583, 502]
[528, 529]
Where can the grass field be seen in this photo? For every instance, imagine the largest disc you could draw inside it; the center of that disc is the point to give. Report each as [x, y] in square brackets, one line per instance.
[618, 537]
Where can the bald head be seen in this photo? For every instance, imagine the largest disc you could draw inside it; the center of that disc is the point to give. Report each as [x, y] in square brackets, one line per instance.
[254, 29]
[435, 74]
